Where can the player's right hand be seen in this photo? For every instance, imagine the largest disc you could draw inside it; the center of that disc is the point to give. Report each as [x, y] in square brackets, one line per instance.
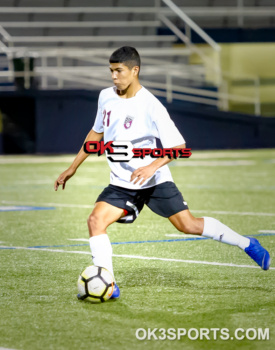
[63, 178]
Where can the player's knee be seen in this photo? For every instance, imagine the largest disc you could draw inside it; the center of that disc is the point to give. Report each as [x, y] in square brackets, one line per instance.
[94, 223]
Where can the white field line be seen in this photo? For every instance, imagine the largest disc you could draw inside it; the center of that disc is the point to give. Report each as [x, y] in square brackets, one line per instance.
[248, 213]
[88, 206]
[74, 182]
[194, 160]
[229, 154]
[6, 349]
[46, 160]
[181, 235]
[45, 250]
[267, 231]
[215, 163]
[79, 239]
[188, 261]
[50, 204]
[139, 257]
[167, 235]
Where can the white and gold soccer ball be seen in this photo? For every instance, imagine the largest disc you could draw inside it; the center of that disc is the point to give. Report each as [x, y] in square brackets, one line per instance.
[95, 284]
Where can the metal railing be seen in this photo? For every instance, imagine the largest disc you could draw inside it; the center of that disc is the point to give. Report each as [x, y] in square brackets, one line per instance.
[239, 10]
[99, 78]
[80, 24]
[186, 38]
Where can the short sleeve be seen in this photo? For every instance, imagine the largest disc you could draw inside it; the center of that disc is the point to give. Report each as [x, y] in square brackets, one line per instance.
[168, 133]
[98, 124]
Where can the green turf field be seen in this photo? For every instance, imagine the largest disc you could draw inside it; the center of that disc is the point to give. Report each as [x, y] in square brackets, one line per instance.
[177, 289]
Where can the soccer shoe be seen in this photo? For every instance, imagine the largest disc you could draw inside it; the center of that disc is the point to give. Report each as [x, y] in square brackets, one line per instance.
[258, 253]
[116, 292]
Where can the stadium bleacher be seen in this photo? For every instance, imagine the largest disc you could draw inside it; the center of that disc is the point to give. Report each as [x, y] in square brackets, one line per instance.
[69, 41]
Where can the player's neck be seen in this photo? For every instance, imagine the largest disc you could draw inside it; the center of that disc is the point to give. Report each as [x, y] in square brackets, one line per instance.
[131, 90]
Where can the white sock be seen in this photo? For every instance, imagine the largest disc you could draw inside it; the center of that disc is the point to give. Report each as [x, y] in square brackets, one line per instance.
[219, 232]
[102, 251]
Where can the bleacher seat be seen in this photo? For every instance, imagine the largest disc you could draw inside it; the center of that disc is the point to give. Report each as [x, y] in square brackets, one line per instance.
[89, 29]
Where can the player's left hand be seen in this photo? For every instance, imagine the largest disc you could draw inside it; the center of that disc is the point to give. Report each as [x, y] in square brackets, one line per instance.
[142, 174]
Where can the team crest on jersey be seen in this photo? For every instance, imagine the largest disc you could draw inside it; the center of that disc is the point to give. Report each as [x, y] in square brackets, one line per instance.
[128, 122]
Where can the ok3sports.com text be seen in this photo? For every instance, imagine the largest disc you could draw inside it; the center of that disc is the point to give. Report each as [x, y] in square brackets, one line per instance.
[202, 334]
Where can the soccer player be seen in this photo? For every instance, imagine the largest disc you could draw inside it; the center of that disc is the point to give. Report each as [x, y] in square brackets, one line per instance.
[127, 111]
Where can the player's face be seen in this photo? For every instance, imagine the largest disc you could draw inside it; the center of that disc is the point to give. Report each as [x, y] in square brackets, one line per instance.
[123, 76]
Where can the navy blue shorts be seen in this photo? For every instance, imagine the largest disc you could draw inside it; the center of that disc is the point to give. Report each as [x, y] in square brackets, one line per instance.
[164, 199]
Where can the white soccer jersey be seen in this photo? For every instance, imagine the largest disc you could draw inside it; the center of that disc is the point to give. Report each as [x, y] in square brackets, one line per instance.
[140, 119]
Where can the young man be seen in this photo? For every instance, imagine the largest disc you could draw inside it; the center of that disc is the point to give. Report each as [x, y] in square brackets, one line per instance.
[129, 112]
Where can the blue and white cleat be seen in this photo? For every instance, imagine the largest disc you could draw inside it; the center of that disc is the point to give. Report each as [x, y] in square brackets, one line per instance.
[116, 292]
[258, 254]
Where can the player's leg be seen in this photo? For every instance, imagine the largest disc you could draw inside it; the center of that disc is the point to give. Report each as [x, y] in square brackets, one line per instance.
[185, 222]
[166, 200]
[102, 216]
[209, 227]
[114, 204]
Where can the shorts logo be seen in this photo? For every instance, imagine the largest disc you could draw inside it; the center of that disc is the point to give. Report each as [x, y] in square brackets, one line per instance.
[128, 122]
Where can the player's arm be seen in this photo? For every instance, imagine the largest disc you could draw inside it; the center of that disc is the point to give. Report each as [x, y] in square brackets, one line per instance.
[149, 170]
[81, 156]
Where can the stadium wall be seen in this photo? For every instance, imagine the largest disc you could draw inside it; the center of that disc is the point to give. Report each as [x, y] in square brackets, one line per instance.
[1, 133]
[58, 121]
[249, 71]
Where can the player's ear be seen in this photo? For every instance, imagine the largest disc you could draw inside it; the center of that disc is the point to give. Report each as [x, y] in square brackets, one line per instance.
[136, 70]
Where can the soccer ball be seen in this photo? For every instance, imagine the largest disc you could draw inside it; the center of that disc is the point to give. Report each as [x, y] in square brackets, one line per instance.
[95, 284]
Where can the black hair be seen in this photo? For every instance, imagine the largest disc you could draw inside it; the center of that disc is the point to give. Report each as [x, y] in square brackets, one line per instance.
[127, 55]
